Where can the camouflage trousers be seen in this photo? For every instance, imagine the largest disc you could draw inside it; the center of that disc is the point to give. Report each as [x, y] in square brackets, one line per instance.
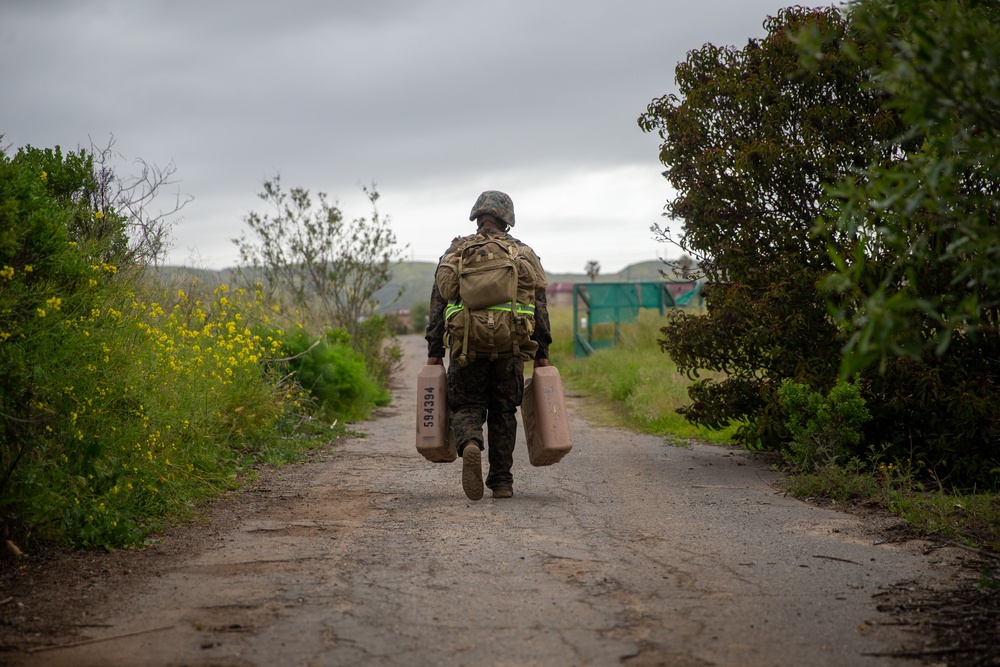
[487, 391]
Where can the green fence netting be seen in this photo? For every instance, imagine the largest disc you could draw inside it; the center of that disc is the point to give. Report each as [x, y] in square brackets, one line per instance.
[619, 303]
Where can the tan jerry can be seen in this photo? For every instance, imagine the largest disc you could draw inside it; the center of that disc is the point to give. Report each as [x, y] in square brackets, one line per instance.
[543, 412]
[435, 439]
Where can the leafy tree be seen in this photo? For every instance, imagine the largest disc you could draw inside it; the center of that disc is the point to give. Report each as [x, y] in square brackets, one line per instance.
[114, 212]
[919, 283]
[685, 266]
[134, 201]
[855, 153]
[328, 266]
[925, 270]
[418, 316]
[749, 144]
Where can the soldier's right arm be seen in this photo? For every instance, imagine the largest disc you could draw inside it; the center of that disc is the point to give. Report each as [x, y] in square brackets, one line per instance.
[435, 315]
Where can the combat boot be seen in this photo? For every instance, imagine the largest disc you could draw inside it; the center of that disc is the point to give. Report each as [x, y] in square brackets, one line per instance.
[472, 471]
[503, 491]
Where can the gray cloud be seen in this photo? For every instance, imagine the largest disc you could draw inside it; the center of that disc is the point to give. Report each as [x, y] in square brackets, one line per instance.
[434, 100]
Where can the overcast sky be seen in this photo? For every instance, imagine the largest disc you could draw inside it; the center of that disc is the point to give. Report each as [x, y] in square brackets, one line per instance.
[432, 100]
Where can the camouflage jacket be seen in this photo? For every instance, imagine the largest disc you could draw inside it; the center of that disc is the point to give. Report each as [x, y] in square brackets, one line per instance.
[436, 321]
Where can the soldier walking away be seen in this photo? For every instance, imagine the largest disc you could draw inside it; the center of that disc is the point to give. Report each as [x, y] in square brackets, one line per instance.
[488, 307]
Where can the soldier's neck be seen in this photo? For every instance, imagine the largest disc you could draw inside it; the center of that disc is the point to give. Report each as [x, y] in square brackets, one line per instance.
[489, 228]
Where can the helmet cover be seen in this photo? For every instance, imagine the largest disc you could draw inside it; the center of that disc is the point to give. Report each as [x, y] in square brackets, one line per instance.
[495, 203]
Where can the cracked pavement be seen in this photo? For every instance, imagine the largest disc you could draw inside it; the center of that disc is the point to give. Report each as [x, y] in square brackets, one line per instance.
[628, 551]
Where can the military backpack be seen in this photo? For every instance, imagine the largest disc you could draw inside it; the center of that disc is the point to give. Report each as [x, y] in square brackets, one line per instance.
[490, 284]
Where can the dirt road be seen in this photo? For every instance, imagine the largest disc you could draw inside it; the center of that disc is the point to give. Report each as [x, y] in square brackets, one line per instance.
[629, 551]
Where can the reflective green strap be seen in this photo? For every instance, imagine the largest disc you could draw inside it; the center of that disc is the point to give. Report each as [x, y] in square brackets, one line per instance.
[521, 309]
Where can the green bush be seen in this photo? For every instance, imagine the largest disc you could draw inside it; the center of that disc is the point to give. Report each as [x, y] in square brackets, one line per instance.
[334, 374]
[824, 429]
[51, 274]
[374, 339]
[118, 409]
[148, 408]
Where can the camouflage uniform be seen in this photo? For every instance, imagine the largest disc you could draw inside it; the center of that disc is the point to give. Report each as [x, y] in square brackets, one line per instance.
[487, 391]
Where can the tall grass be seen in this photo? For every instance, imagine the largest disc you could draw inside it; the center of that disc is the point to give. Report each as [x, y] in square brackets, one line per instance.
[636, 383]
[636, 386]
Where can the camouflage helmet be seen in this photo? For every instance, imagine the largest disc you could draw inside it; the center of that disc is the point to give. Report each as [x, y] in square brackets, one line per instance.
[496, 203]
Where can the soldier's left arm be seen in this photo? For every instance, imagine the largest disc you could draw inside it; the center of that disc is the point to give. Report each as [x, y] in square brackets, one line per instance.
[435, 325]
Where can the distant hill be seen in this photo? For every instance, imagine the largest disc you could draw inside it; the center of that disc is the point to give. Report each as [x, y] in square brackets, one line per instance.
[643, 271]
[179, 275]
[413, 278]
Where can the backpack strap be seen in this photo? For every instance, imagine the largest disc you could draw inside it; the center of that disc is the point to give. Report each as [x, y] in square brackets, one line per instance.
[465, 357]
[519, 308]
[515, 260]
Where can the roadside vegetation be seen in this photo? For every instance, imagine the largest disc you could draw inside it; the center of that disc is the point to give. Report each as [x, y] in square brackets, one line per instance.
[837, 184]
[633, 384]
[124, 402]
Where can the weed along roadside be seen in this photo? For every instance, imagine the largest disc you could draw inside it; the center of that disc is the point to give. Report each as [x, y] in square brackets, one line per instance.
[625, 550]
[126, 401]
